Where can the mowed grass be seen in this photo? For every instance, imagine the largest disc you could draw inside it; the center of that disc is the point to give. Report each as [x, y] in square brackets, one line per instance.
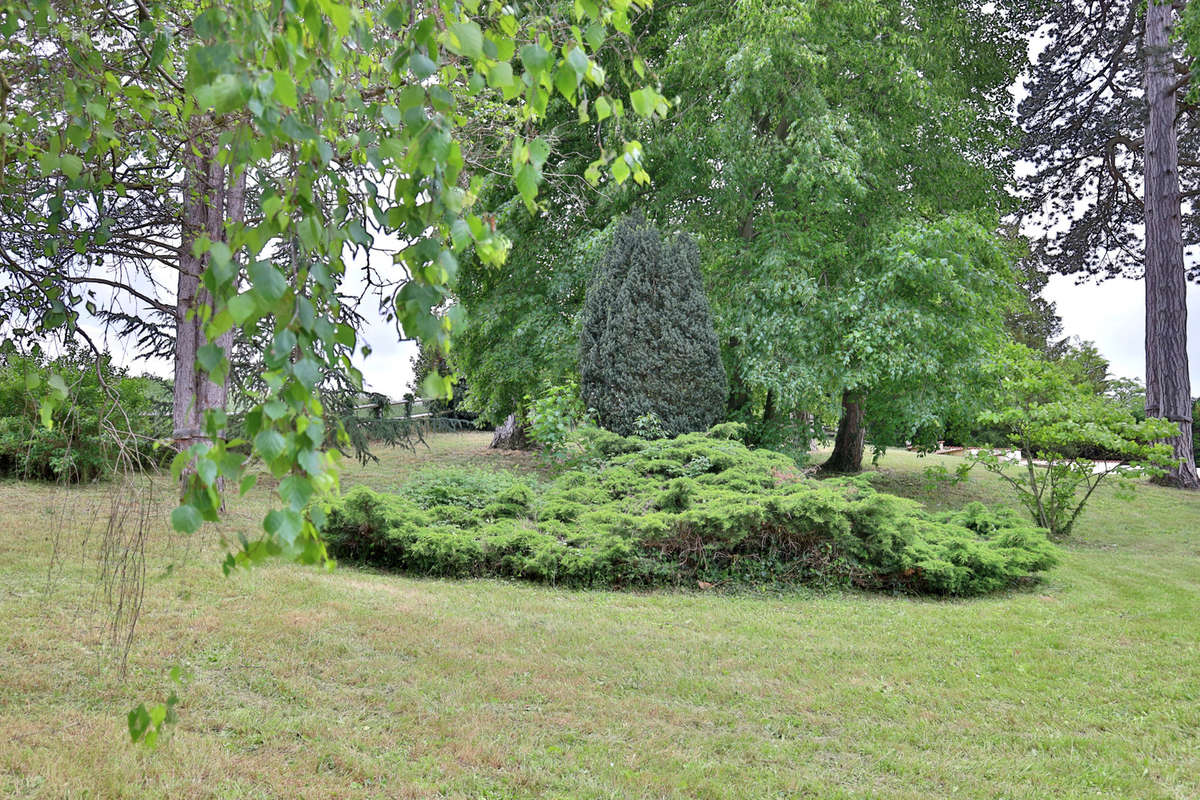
[352, 684]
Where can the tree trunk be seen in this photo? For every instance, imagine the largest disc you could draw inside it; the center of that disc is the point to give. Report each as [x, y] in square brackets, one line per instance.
[848, 445]
[1168, 385]
[208, 200]
[739, 392]
[769, 411]
[510, 435]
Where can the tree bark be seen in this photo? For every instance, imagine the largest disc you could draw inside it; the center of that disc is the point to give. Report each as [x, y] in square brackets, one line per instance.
[208, 201]
[510, 435]
[769, 411]
[1168, 384]
[848, 445]
[739, 392]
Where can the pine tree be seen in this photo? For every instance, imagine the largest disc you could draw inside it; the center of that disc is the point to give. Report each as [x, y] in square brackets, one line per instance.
[1106, 118]
[647, 344]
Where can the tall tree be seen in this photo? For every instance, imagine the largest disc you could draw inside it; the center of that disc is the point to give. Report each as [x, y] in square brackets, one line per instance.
[1168, 385]
[338, 118]
[1104, 128]
[810, 139]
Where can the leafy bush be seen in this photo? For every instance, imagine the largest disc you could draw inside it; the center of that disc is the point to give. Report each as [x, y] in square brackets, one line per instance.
[107, 414]
[700, 507]
[461, 487]
[647, 343]
[554, 416]
[1059, 427]
[649, 426]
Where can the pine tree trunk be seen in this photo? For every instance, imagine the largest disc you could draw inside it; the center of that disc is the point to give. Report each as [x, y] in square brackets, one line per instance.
[1168, 385]
[208, 201]
[848, 445]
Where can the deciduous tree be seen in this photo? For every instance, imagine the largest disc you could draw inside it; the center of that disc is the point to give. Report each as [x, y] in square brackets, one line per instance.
[340, 119]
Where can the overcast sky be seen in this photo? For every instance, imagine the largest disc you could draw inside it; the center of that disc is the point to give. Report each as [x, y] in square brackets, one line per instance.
[1112, 314]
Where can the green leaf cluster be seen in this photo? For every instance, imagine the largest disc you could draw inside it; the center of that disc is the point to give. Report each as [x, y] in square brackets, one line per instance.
[1070, 440]
[554, 416]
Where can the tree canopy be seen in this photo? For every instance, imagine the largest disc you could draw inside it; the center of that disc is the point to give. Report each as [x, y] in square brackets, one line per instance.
[813, 145]
[253, 148]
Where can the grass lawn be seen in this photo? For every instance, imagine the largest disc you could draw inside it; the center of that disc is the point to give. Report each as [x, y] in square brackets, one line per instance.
[354, 684]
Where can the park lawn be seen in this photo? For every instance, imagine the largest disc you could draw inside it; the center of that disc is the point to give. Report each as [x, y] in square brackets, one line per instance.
[348, 684]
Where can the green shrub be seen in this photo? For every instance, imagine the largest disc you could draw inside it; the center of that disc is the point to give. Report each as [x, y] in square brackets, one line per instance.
[554, 416]
[649, 360]
[464, 487]
[700, 507]
[1062, 427]
[108, 415]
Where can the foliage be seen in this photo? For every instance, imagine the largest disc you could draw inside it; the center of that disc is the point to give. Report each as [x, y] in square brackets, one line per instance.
[927, 318]
[346, 119]
[1075, 362]
[1130, 394]
[817, 192]
[650, 426]
[1033, 321]
[1057, 427]
[464, 488]
[675, 511]
[1084, 366]
[524, 316]
[647, 344]
[554, 416]
[805, 147]
[152, 724]
[106, 417]
[431, 363]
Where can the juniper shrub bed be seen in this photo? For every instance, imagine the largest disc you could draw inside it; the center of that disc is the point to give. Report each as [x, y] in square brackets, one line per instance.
[701, 507]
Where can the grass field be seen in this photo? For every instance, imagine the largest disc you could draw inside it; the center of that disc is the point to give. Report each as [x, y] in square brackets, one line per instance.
[353, 684]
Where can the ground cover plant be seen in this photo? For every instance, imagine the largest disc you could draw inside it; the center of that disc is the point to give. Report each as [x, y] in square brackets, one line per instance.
[696, 509]
[354, 684]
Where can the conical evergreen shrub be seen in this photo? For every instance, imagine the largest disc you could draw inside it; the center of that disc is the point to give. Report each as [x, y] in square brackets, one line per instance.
[647, 345]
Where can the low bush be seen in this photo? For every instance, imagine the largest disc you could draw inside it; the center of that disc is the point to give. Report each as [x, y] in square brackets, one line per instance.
[108, 417]
[1063, 428]
[697, 508]
[554, 416]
